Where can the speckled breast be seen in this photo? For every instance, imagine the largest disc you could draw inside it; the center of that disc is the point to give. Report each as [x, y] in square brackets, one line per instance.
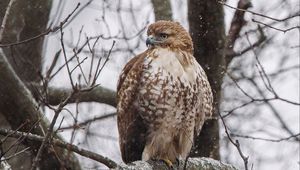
[168, 94]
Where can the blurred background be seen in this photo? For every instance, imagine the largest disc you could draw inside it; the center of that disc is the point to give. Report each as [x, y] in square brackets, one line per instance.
[258, 94]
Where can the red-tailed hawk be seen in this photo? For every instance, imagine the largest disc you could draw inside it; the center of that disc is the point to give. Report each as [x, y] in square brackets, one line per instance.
[164, 97]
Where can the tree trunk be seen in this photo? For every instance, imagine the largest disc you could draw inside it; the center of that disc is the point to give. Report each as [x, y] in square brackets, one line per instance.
[206, 21]
[21, 64]
[26, 19]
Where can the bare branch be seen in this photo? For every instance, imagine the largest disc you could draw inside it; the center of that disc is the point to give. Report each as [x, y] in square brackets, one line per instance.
[98, 69]
[32, 137]
[17, 101]
[86, 122]
[282, 30]
[56, 95]
[269, 140]
[236, 144]
[15, 154]
[237, 24]
[48, 137]
[53, 63]
[72, 57]
[230, 54]
[258, 14]
[65, 56]
[275, 112]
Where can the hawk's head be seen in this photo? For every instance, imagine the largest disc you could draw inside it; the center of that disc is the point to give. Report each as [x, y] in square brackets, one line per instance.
[168, 34]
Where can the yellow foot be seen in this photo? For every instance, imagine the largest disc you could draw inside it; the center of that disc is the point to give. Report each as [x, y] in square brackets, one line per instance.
[168, 162]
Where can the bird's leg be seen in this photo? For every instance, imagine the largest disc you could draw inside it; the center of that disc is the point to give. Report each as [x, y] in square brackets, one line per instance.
[168, 162]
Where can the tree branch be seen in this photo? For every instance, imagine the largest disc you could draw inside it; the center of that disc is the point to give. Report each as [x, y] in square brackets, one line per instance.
[17, 102]
[261, 15]
[230, 54]
[89, 121]
[236, 144]
[46, 32]
[278, 29]
[57, 95]
[70, 147]
[236, 26]
[192, 164]
[292, 138]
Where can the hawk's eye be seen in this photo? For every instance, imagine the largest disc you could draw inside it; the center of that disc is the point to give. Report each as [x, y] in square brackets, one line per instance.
[163, 35]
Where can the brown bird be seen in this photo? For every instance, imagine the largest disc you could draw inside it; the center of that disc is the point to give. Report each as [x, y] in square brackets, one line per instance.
[163, 96]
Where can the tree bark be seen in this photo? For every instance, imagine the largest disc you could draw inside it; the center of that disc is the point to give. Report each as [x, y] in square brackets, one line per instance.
[26, 19]
[55, 96]
[206, 21]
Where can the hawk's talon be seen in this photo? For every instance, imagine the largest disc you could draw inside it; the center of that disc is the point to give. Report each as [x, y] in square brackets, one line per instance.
[168, 163]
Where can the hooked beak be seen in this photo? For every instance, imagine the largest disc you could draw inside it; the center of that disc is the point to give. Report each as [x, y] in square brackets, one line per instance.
[151, 41]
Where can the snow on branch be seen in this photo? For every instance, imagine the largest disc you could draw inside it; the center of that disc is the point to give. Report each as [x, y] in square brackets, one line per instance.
[191, 164]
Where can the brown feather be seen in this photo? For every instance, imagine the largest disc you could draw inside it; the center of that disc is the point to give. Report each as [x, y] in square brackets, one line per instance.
[130, 125]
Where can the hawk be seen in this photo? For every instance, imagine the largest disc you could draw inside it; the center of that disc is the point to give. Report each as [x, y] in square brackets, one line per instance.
[163, 97]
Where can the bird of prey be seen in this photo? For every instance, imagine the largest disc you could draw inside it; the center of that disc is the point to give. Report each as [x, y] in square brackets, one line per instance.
[163, 97]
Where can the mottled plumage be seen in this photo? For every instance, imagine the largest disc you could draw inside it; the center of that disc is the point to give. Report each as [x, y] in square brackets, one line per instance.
[164, 97]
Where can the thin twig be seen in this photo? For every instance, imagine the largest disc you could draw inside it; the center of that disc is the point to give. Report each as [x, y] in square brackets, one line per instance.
[79, 65]
[15, 154]
[236, 144]
[262, 71]
[53, 63]
[79, 11]
[86, 122]
[71, 58]
[98, 69]
[275, 112]
[230, 54]
[268, 140]
[65, 57]
[282, 30]
[92, 51]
